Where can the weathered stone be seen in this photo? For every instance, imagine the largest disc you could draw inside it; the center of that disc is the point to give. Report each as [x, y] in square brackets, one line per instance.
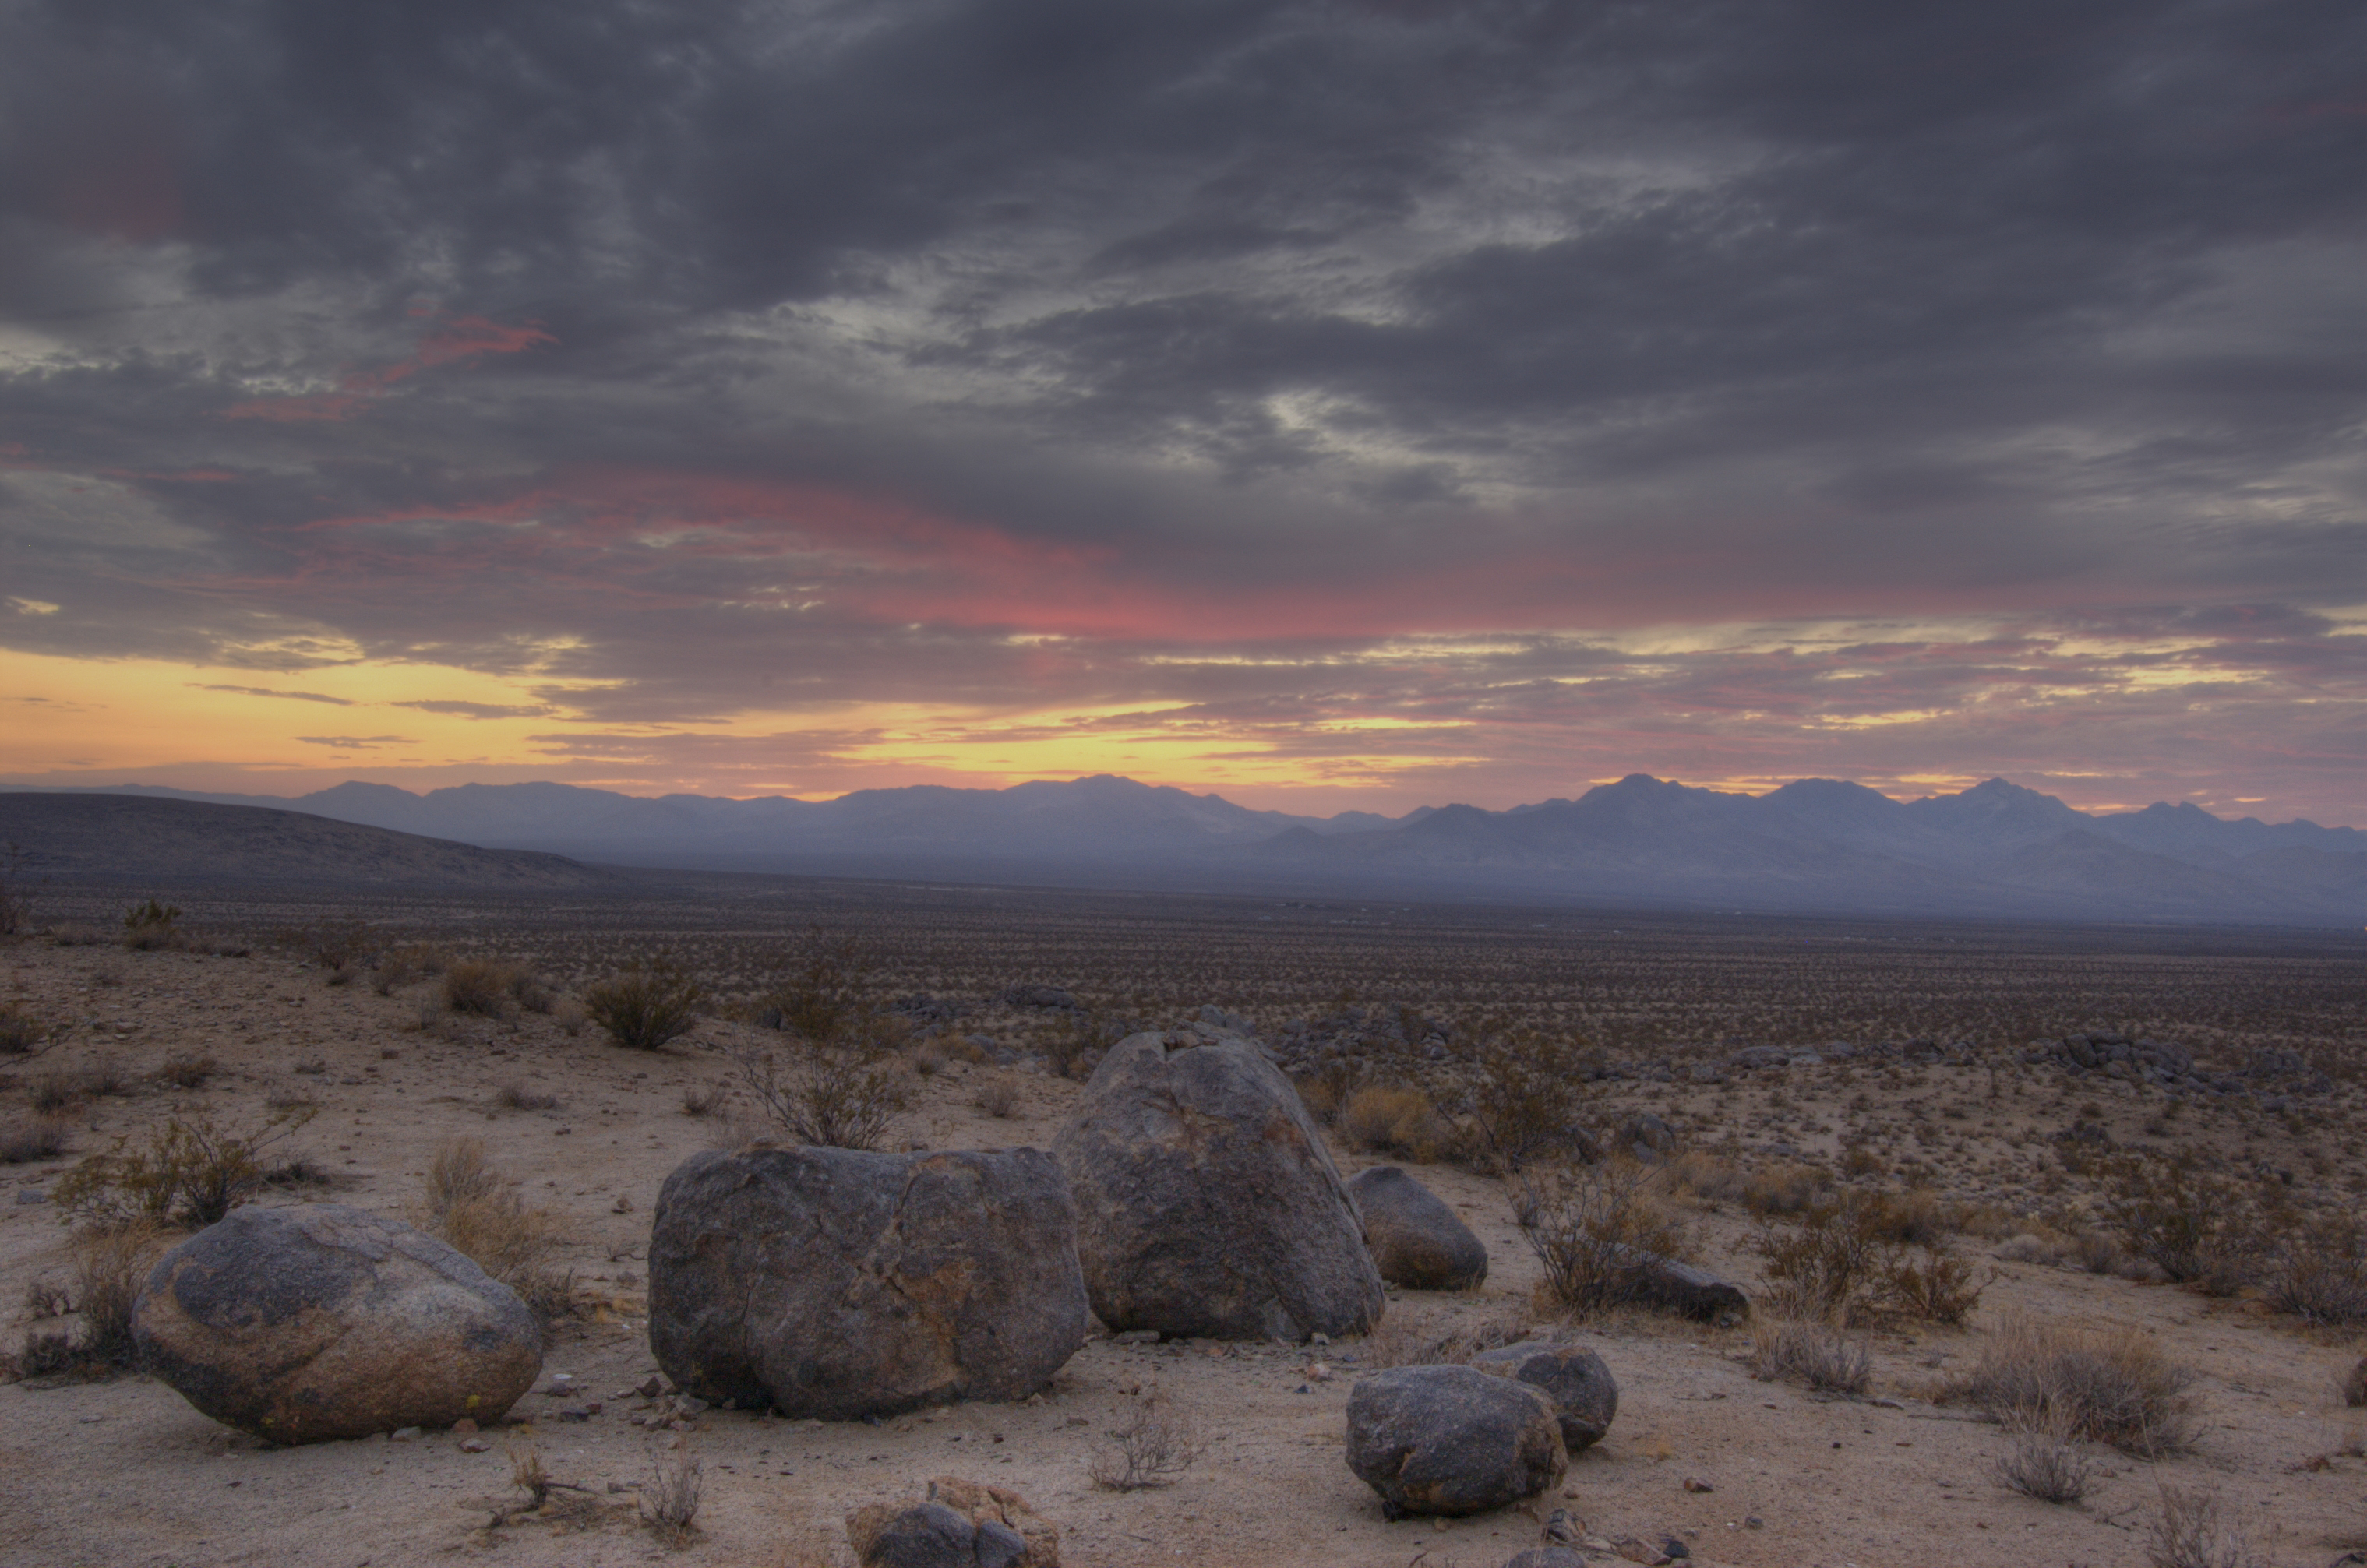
[1651, 1138]
[1585, 1397]
[841, 1284]
[1754, 1057]
[960, 1524]
[1548, 1557]
[1206, 1205]
[1417, 1241]
[1450, 1439]
[1680, 1288]
[318, 1322]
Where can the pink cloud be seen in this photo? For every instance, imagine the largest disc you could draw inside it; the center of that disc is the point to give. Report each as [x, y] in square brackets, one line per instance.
[463, 338]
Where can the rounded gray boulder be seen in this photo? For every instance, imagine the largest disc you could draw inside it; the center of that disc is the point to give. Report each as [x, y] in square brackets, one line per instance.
[842, 1284]
[1207, 1204]
[1417, 1241]
[1580, 1386]
[308, 1324]
[1450, 1439]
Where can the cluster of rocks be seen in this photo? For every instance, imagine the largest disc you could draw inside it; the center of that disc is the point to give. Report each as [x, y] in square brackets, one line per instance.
[1358, 1038]
[958, 1523]
[2274, 1075]
[1449, 1439]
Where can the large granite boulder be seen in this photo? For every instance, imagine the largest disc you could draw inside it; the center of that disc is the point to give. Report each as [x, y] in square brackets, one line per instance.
[1207, 1204]
[318, 1322]
[1448, 1440]
[1580, 1386]
[842, 1284]
[1417, 1241]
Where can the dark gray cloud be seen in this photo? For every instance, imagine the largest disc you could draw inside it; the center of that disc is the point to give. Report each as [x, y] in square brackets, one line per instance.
[698, 360]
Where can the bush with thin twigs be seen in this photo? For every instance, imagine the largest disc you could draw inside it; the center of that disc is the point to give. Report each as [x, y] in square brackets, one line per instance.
[54, 1093]
[1596, 1230]
[188, 1069]
[190, 1172]
[998, 1098]
[2318, 1272]
[1784, 1190]
[2098, 1386]
[669, 1501]
[840, 1099]
[337, 945]
[1842, 1261]
[486, 987]
[1814, 1354]
[1396, 1119]
[1528, 1099]
[399, 966]
[22, 1031]
[465, 1201]
[1152, 1447]
[702, 1100]
[152, 925]
[646, 1004]
[2042, 1462]
[2193, 1225]
[26, 1139]
[2192, 1532]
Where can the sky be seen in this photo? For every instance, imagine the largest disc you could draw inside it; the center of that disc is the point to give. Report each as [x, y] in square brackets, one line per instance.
[1335, 405]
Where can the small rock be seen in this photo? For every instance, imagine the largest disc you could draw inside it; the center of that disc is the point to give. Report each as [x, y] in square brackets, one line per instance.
[1548, 1557]
[1671, 1547]
[1637, 1551]
[1136, 1336]
[1585, 1397]
[1753, 1522]
[475, 1446]
[650, 1387]
[1416, 1240]
[1694, 1484]
[688, 1404]
[31, 1195]
[463, 1426]
[405, 1435]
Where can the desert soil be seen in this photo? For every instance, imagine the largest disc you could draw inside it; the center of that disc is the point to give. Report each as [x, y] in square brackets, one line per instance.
[124, 1473]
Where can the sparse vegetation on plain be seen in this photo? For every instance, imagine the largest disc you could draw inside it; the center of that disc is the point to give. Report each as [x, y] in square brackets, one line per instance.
[191, 1171]
[646, 1005]
[2092, 1385]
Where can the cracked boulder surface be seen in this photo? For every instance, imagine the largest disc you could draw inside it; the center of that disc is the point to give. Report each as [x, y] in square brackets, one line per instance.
[318, 1322]
[1207, 1204]
[842, 1284]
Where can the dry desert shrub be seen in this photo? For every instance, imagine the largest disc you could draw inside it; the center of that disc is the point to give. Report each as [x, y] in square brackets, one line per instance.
[399, 966]
[1152, 1447]
[469, 1204]
[22, 1031]
[2042, 1462]
[188, 1069]
[1840, 1261]
[2318, 1272]
[1527, 1097]
[2194, 1531]
[2196, 1227]
[1394, 1120]
[110, 1263]
[486, 987]
[514, 1096]
[52, 1093]
[1597, 1231]
[669, 1501]
[645, 1005]
[150, 926]
[1814, 1354]
[190, 1172]
[998, 1098]
[24, 1139]
[834, 1098]
[703, 1099]
[2091, 1385]
[1784, 1190]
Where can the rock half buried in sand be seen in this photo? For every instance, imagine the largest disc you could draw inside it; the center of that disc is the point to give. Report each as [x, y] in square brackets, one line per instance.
[1452, 1440]
[318, 1322]
[1579, 1385]
[1680, 1288]
[841, 1284]
[1417, 1241]
[1206, 1205]
[960, 1524]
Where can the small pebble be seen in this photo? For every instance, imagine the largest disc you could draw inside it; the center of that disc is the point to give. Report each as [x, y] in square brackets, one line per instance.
[405, 1434]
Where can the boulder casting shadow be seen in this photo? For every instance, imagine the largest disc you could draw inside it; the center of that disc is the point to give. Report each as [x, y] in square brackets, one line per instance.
[842, 1284]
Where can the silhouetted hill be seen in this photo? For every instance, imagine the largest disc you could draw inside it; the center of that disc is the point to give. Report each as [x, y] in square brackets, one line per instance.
[119, 838]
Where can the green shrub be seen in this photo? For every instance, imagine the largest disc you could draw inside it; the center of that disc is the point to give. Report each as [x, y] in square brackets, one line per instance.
[190, 1172]
[151, 925]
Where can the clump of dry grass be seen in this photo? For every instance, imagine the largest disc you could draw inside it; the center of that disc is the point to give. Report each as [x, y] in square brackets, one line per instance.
[1394, 1120]
[23, 1032]
[470, 1205]
[1815, 1354]
[998, 1098]
[2319, 1272]
[703, 1099]
[486, 987]
[28, 1138]
[188, 1069]
[2044, 1463]
[669, 1501]
[1845, 1261]
[2091, 1385]
[514, 1096]
[110, 1263]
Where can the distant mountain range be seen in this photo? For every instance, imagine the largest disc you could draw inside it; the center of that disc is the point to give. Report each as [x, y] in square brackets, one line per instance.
[1816, 845]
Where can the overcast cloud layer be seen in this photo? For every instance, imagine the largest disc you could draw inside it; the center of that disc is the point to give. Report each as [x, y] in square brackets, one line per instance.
[1329, 404]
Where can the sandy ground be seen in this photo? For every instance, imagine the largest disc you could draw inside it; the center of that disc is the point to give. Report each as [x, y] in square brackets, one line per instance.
[124, 1473]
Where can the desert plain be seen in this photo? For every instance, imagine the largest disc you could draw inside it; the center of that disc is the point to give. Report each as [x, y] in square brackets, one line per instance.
[1788, 1064]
